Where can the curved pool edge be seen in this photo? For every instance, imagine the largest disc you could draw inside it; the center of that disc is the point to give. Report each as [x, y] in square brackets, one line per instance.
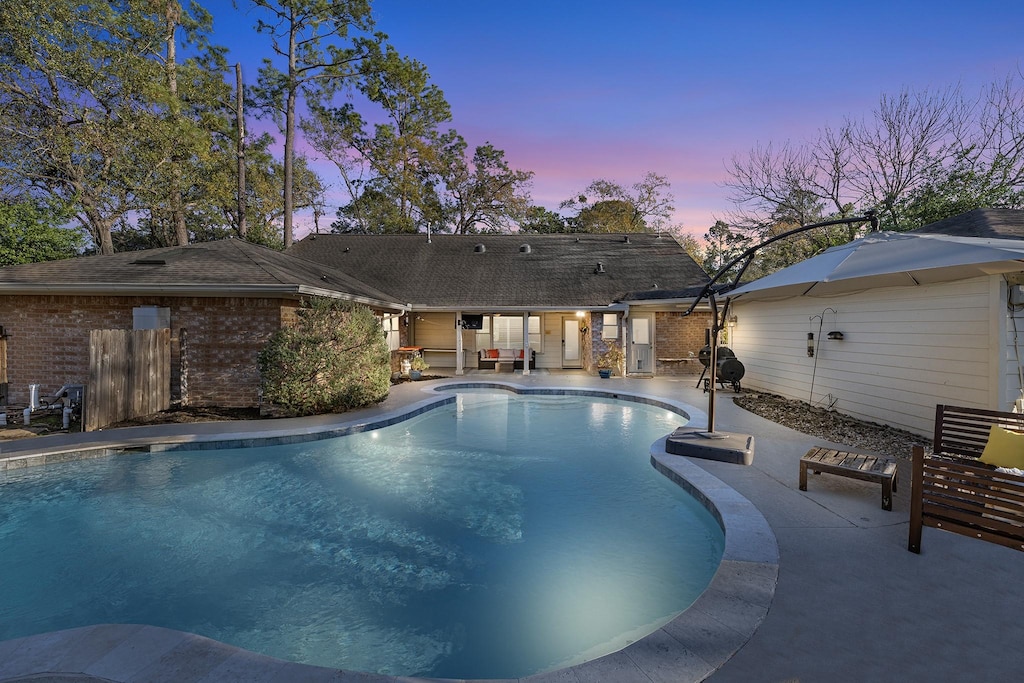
[689, 648]
[701, 638]
[695, 416]
[147, 439]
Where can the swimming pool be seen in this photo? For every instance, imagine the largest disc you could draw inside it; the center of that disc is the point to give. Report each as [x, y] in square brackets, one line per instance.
[424, 548]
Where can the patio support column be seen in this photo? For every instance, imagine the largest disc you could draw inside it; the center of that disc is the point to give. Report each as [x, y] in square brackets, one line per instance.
[526, 342]
[459, 361]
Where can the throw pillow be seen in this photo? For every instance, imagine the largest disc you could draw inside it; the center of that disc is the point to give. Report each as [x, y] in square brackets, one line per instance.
[1004, 448]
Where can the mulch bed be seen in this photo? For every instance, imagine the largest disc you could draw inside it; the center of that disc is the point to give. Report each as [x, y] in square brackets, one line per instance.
[830, 424]
[191, 414]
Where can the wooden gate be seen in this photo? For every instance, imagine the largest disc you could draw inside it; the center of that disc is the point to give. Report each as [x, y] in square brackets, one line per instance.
[3, 367]
[129, 375]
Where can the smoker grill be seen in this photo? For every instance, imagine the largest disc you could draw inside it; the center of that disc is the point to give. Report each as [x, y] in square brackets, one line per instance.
[730, 370]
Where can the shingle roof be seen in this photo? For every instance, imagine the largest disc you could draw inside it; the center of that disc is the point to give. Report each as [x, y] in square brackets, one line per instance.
[479, 271]
[666, 294]
[990, 223]
[224, 266]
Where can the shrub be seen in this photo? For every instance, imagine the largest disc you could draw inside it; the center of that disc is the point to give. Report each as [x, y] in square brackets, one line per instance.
[335, 358]
[613, 358]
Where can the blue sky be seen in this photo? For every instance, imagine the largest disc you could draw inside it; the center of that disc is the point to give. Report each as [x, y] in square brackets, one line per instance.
[581, 90]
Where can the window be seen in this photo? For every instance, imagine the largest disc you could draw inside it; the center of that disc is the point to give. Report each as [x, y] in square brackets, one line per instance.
[483, 335]
[610, 326]
[392, 331]
[506, 332]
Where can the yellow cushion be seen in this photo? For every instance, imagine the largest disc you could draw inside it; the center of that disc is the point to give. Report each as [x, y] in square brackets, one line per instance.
[1004, 448]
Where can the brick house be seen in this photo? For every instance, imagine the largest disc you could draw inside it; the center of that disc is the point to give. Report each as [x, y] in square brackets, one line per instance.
[221, 300]
[566, 298]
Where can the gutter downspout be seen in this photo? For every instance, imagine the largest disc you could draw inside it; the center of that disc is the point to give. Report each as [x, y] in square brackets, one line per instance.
[460, 364]
[526, 343]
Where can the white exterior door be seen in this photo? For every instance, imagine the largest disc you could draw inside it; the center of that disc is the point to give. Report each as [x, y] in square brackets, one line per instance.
[571, 357]
[640, 344]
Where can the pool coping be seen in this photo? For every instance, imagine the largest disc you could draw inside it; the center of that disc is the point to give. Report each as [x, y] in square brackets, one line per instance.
[690, 647]
[119, 444]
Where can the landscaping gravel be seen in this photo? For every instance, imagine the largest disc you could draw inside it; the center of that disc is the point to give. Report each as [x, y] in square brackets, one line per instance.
[831, 425]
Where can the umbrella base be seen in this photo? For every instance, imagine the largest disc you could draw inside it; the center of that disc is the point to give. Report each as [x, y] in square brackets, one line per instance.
[721, 446]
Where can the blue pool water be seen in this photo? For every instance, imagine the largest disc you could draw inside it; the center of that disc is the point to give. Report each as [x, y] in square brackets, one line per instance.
[495, 537]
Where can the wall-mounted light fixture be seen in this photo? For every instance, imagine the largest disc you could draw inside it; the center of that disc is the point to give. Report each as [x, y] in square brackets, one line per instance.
[580, 314]
[810, 345]
[732, 321]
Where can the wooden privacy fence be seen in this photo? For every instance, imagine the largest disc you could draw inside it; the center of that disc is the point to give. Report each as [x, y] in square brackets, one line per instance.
[129, 375]
[3, 367]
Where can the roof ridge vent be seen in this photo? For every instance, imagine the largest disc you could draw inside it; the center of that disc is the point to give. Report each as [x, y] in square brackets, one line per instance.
[480, 248]
[600, 268]
[525, 248]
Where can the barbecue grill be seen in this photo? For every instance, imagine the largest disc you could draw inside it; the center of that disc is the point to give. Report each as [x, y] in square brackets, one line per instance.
[730, 370]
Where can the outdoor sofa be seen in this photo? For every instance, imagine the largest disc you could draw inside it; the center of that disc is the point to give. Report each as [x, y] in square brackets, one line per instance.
[487, 359]
[970, 483]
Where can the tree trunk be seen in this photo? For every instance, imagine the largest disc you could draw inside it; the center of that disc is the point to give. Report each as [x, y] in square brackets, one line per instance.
[289, 136]
[172, 16]
[97, 226]
[289, 157]
[243, 228]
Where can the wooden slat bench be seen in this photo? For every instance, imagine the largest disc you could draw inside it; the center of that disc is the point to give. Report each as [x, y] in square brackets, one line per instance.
[853, 465]
[951, 489]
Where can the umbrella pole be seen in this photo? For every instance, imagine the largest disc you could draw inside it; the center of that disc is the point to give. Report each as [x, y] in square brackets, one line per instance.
[711, 445]
[717, 324]
[737, 448]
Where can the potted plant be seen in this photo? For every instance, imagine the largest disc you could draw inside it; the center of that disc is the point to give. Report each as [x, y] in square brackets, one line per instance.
[613, 359]
[416, 367]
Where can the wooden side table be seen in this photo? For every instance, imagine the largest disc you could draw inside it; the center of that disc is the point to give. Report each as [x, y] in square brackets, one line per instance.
[853, 465]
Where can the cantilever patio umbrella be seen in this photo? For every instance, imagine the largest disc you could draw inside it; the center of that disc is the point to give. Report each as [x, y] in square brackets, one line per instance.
[889, 259]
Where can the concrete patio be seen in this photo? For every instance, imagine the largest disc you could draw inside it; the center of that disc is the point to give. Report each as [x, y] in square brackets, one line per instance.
[850, 602]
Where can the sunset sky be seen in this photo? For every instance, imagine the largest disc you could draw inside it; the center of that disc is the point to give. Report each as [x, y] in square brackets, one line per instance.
[581, 90]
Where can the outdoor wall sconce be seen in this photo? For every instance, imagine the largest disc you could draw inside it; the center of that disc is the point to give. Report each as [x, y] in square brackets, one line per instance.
[810, 345]
[835, 334]
[732, 321]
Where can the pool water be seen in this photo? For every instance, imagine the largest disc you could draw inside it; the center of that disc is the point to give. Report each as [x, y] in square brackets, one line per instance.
[498, 536]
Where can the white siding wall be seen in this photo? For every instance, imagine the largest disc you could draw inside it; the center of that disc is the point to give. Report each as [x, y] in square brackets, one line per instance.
[437, 331]
[905, 350]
